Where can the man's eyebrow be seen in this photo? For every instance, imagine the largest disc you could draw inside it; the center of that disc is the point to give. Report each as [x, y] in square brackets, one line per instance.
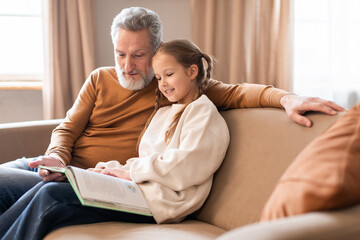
[141, 49]
[138, 50]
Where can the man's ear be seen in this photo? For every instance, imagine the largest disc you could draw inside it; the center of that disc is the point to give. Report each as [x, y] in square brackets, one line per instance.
[193, 71]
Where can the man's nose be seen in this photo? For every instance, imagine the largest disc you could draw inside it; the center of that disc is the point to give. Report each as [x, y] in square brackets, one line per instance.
[129, 64]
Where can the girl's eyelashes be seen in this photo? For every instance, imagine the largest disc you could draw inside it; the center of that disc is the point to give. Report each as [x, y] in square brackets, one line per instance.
[168, 75]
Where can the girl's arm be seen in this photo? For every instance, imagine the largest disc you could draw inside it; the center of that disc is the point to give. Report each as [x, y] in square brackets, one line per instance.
[203, 141]
[176, 182]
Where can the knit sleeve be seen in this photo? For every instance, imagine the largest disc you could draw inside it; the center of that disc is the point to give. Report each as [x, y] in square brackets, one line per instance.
[181, 177]
[64, 136]
[227, 96]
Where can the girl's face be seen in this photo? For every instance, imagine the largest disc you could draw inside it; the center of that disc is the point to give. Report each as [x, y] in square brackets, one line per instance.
[178, 84]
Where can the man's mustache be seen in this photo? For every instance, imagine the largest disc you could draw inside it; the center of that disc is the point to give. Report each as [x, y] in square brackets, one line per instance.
[131, 72]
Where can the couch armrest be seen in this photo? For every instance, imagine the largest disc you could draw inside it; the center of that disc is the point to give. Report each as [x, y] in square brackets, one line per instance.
[25, 139]
[331, 225]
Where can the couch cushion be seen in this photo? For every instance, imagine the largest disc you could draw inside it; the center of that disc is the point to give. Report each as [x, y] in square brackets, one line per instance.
[325, 175]
[331, 225]
[190, 229]
[263, 144]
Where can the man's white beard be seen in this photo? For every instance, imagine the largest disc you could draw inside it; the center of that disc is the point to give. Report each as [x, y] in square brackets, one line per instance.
[134, 85]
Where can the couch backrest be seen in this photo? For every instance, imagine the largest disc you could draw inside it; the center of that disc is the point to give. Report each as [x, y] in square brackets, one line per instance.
[263, 143]
[25, 139]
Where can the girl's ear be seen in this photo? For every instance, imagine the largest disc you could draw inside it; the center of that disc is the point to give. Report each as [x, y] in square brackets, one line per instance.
[193, 71]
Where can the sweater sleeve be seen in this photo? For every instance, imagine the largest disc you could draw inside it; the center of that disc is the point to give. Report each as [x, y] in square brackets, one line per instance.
[227, 96]
[177, 181]
[64, 136]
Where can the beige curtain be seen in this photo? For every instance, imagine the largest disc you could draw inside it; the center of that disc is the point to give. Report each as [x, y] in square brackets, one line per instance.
[251, 39]
[69, 52]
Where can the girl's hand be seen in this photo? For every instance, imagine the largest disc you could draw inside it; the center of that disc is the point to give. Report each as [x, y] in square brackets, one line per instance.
[98, 170]
[116, 172]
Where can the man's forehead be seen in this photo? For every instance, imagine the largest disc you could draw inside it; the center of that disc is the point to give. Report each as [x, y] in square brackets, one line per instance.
[133, 40]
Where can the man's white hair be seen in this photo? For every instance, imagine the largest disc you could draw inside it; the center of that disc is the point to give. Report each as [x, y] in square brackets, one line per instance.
[136, 19]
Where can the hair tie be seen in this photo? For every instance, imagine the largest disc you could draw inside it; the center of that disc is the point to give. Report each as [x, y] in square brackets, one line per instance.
[202, 55]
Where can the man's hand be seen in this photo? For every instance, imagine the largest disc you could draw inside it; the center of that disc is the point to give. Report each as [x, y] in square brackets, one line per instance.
[295, 106]
[46, 175]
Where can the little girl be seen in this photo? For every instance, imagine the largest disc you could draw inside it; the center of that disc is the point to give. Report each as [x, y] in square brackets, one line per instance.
[180, 149]
[184, 143]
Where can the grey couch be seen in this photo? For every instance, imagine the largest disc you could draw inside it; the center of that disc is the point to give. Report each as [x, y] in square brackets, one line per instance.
[263, 144]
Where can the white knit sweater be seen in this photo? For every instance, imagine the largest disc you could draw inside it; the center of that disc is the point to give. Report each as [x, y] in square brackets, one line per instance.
[176, 178]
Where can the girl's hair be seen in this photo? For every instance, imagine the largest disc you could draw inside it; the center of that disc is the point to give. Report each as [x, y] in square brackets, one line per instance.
[186, 54]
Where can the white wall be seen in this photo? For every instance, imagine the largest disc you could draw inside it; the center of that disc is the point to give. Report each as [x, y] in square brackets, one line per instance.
[174, 14]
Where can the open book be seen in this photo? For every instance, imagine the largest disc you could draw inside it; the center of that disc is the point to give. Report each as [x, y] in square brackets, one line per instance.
[103, 191]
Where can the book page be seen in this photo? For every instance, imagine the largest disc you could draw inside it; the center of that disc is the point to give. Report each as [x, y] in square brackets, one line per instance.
[92, 185]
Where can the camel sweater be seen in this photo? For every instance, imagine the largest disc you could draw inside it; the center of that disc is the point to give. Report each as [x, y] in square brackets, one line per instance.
[106, 119]
[176, 178]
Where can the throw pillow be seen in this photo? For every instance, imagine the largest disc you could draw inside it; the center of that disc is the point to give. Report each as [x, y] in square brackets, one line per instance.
[324, 176]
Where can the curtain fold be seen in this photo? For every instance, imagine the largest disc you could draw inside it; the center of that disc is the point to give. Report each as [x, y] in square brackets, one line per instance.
[69, 52]
[251, 39]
